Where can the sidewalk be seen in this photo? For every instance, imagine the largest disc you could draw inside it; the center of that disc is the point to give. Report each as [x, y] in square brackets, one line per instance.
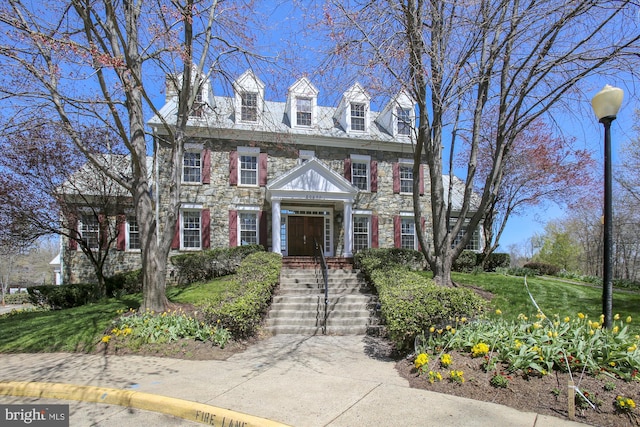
[290, 379]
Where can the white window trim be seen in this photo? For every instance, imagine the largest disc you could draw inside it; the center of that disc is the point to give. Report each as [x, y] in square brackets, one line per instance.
[396, 117]
[404, 163]
[365, 116]
[80, 225]
[404, 216]
[188, 207]
[305, 155]
[257, 106]
[311, 111]
[362, 159]
[366, 214]
[127, 241]
[249, 151]
[192, 150]
[255, 210]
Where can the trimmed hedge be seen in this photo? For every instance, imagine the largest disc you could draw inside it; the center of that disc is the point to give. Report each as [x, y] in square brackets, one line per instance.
[495, 260]
[409, 301]
[124, 283]
[369, 260]
[17, 298]
[206, 265]
[242, 307]
[543, 268]
[63, 296]
[468, 260]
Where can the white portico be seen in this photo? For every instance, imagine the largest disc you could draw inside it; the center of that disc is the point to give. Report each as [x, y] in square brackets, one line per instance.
[308, 203]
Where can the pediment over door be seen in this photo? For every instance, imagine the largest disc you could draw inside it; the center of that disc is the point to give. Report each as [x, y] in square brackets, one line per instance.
[312, 180]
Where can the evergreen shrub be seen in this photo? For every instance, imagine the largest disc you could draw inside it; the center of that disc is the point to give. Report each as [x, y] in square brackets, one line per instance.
[63, 296]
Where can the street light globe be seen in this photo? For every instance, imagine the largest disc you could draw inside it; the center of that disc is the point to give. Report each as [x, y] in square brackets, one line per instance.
[606, 103]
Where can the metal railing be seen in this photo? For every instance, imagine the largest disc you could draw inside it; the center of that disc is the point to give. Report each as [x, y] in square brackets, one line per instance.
[320, 259]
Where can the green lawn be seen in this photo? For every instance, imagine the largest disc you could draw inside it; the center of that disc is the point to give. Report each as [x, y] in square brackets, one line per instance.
[80, 328]
[554, 296]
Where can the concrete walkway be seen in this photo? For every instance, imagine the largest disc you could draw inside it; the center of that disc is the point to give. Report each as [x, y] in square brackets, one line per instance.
[289, 379]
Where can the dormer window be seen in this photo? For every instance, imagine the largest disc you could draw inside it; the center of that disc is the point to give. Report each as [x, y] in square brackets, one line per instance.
[303, 111]
[357, 117]
[249, 109]
[197, 110]
[404, 121]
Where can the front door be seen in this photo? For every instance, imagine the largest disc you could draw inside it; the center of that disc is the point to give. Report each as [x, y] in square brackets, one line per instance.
[301, 232]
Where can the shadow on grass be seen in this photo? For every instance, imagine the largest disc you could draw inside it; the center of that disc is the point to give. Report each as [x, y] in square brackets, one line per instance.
[76, 329]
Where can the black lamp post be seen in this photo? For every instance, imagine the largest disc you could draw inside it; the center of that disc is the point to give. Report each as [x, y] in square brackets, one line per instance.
[606, 104]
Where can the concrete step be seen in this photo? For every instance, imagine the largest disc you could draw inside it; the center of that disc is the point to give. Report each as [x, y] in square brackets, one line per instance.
[317, 330]
[319, 298]
[312, 314]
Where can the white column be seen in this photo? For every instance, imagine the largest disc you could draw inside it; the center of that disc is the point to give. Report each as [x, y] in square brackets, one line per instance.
[348, 230]
[275, 226]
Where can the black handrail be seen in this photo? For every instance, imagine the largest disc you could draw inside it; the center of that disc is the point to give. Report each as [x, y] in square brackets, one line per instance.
[319, 255]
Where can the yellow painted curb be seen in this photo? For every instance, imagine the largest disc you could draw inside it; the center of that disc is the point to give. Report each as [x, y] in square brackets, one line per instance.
[192, 411]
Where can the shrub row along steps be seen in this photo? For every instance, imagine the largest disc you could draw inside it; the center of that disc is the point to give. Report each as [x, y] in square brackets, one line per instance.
[298, 304]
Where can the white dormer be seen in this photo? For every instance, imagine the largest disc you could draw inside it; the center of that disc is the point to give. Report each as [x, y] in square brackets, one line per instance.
[203, 96]
[249, 98]
[399, 116]
[353, 111]
[302, 104]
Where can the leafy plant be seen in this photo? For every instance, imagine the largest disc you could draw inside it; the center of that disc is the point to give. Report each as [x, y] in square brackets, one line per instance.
[624, 404]
[499, 381]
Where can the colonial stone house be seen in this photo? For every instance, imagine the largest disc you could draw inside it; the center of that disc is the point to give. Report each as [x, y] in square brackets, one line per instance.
[288, 174]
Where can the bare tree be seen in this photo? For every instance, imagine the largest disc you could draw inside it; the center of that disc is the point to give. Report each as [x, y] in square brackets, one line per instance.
[100, 63]
[470, 64]
[50, 192]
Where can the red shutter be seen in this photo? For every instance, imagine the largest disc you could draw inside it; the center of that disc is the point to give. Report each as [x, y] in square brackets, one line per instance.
[397, 228]
[103, 231]
[262, 169]
[73, 232]
[347, 169]
[206, 228]
[374, 231]
[121, 242]
[233, 229]
[262, 221]
[233, 168]
[206, 166]
[421, 180]
[175, 244]
[396, 178]
[374, 176]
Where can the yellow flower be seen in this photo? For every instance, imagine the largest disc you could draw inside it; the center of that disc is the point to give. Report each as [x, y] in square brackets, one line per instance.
[537, 325]
[498, 312]
[612, 363]
[601, 318]
[632, 348]
[595, 325]
[432, 329]
[581, 315]
[448, 327]
[628, 319]
[463, 320]
[421, 360]
[615, 329]
[446, 360]
[567, 319]
[479, 349]
[453, 330]
[592, 332]
[106, 338]
[616, 317]
[550, 334]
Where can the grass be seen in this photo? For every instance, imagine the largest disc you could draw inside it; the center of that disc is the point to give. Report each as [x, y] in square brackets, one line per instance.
[554, 296]
[74, 329]
[199, 292]
[80, 328]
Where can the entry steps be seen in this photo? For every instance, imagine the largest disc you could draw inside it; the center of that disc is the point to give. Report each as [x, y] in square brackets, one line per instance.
[298, 305]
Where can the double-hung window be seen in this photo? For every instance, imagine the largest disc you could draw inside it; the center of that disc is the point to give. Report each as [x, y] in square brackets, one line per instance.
[303, 111]
[358, 116]
[404, 121]
[406, 178]
[248, 228]
[133, 233]
[191, 229]
[361, 232]
[474, 242]
[90, 231]
[360, 174]
[192, 167]
[249, 107]
[248, 169]
[407, 233]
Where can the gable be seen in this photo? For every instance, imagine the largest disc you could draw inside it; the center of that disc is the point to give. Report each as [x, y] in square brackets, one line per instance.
[311, 180]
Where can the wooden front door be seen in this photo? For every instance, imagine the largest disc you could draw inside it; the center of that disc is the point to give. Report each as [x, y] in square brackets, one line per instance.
[301, 231]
